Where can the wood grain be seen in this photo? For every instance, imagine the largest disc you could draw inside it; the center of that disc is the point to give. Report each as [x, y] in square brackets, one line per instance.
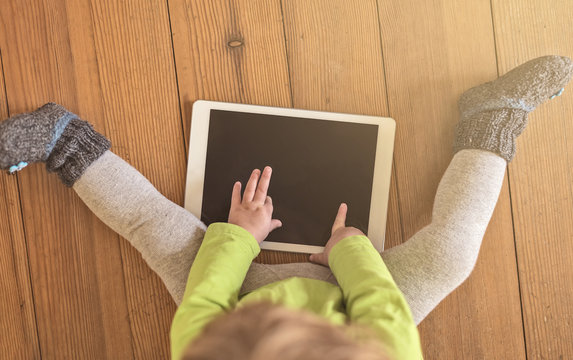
[112, 65]
[541, 178]
[73, 289]
[80, 300]
[19, 338]
[429, 61]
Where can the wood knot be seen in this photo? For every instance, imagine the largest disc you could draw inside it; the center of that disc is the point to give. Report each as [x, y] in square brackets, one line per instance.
[235, 43]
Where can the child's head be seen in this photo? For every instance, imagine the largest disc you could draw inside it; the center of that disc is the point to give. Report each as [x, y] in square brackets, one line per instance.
[262, 331]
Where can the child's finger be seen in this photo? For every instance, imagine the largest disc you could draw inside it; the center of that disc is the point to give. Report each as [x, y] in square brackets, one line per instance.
[263, 187]
[236, 195]
[340, 220]
[251, 186]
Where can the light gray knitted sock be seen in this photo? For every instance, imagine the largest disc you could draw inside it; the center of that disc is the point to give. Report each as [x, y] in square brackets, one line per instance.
[53, 135]
[495, 113]
[167, 236]
[440, 256]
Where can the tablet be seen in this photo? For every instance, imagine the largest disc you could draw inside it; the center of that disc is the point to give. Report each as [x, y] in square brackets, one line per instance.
[319, 160]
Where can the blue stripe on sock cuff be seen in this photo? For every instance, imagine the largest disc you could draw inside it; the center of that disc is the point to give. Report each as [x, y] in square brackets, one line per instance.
[59, 130]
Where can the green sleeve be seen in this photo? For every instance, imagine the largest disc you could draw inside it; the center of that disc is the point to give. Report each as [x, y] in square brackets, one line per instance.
[372, 297]
[215, 279]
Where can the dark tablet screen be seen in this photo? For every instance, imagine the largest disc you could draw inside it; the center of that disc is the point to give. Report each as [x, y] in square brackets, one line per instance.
[317, 164]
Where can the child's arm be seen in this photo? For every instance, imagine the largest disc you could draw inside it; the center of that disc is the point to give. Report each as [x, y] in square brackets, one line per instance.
[223, 260]
[372, 297]
[214, 281]
[370, 294]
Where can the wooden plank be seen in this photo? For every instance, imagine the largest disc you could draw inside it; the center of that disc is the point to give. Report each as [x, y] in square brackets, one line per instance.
[75, 261]
[19, 338]
[334, 56]
[541, 178]
[429, 62]
[231, 51]
[139, 90]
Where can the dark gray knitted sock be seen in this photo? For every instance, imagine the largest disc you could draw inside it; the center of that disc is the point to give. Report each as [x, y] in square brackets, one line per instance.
[495, 113]
[53, 135]
[30, 137]
[78, 147]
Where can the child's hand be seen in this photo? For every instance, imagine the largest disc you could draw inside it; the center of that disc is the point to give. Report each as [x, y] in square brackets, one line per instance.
[254, 213]
[339, 232]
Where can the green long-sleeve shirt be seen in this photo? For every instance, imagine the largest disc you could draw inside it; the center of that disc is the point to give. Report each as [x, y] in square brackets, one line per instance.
[367, 293]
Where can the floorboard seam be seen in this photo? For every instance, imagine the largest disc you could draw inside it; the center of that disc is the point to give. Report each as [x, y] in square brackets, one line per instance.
[185, 145]
[286, 55]
[510, 202]
[394, 171]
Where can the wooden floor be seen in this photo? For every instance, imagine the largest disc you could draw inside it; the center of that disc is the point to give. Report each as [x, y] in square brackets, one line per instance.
[71, 288]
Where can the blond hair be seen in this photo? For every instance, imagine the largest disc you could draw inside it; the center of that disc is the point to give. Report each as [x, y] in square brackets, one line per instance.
[262, 331]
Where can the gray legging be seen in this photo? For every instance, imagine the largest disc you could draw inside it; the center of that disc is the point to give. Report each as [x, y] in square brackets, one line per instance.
[426, 268]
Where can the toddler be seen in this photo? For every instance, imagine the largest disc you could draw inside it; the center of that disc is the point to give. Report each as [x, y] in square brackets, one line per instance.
[349, 302]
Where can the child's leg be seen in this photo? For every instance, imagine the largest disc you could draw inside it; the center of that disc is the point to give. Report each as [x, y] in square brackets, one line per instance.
[167, 236]
[263, 274]
[439, 257]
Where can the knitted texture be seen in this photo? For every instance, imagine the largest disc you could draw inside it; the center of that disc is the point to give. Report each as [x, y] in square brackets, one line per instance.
[77, 148]
[495, 113]
[30, 137]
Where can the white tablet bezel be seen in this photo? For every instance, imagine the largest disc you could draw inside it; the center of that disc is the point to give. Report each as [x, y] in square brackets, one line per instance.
[382, 167]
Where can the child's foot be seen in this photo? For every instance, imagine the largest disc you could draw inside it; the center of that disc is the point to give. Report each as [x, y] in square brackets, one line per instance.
[31, 137]
[50, 134]
[495, 113]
